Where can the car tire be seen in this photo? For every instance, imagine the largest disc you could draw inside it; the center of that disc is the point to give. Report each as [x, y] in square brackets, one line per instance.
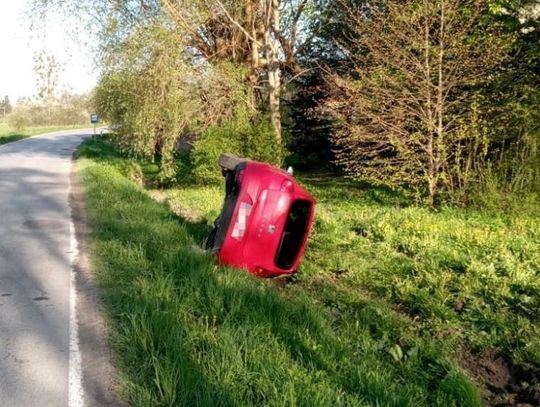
[230, 161]
[210, 240]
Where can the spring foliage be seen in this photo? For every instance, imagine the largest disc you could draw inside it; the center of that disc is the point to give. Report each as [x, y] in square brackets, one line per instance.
[409, 111]
[438, 96]
[147, 93]
[155, 92]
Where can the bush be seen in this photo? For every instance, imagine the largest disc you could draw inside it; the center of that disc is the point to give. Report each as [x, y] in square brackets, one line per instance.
[214, 141]
[18, 121]
[253, 141]
[161, 96]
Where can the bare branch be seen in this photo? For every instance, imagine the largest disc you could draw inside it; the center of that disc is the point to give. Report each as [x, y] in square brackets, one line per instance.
[236, 23]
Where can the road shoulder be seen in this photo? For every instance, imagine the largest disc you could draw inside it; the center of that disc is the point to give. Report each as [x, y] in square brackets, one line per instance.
[98, 373]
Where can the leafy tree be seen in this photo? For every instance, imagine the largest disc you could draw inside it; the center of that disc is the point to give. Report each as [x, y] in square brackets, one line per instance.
[154, 91]
[5, 107]
[148, 94]
[47, 68]
[245, 34]
[514, 99]
[260, 35]
[310, 130]
[409, 112]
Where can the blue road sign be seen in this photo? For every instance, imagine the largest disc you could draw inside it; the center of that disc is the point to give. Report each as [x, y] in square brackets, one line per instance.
[94, 118]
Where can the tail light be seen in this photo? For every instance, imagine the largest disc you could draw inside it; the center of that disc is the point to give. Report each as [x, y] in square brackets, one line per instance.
[287, 186]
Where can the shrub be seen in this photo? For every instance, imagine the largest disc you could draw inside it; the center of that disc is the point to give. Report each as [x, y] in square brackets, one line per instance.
[18, 121]
[255, 141]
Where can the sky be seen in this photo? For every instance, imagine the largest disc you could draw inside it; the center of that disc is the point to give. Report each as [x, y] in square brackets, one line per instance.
[19, 44]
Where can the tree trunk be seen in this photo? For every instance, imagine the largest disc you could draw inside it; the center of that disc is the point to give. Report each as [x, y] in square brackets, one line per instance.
[274, 71]
[440, 150]
[431, 183]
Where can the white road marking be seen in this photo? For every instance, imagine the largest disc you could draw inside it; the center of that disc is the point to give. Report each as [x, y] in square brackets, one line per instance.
[75, 390]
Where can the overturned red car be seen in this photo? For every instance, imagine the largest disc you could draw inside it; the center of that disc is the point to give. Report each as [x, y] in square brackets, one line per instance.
[265, 221]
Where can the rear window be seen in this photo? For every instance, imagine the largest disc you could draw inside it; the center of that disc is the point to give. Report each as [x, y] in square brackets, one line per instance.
[294, 234]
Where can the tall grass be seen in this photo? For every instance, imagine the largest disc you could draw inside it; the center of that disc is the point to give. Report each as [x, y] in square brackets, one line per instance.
[187, 332]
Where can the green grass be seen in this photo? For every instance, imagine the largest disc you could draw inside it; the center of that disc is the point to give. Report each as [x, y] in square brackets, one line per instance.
[387, 302]
[8, 134]
[475, 274]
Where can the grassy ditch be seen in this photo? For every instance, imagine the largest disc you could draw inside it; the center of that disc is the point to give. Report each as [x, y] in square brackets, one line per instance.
[391, 305]
[8, 134]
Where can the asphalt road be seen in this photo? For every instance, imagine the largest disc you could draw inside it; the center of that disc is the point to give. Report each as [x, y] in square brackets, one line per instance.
[39, 366]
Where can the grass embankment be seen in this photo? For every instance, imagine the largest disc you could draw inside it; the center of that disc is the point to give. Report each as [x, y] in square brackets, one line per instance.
[8, 134]
[388, 304]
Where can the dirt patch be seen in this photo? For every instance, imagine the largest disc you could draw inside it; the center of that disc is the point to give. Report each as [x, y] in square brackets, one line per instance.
[501, 382]
[189, 214]
[158, 196]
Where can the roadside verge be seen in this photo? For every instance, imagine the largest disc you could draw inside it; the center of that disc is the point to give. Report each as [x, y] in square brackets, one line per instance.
[98, 372]
[188, 332]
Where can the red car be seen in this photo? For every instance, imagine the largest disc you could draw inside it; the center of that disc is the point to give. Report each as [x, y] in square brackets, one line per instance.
[265, 221]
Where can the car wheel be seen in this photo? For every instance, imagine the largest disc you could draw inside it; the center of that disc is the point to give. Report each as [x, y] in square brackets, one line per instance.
[230, 161]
